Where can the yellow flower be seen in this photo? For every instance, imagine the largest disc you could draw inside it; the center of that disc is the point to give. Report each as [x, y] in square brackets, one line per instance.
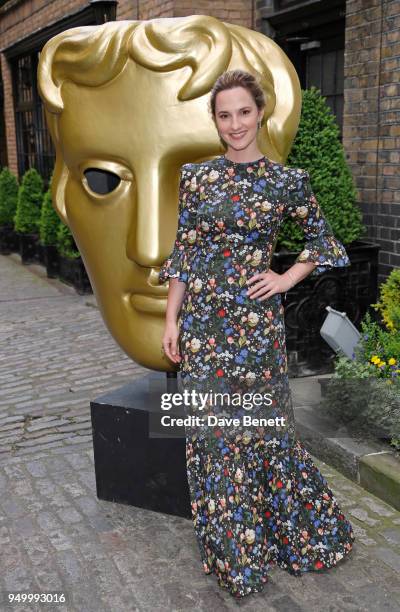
[392, 361]
[374, 358]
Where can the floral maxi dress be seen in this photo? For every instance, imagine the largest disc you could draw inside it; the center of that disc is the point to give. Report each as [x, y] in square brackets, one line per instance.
[257, 498]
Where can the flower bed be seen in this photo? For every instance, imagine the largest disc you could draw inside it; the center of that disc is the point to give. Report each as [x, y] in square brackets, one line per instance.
[364, 392]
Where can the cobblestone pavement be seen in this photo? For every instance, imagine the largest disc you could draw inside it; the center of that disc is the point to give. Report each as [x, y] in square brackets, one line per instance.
[55, 535]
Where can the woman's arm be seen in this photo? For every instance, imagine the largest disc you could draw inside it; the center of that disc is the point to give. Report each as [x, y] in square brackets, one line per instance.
[298, 272]
[170, 343]
[322, 248]
[176, 292]
[176, 267]
[322, 251]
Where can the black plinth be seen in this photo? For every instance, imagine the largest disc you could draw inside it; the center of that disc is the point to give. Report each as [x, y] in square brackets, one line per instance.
[131, 466]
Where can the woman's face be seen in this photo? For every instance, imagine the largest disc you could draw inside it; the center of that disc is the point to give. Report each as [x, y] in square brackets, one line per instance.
[236, 117]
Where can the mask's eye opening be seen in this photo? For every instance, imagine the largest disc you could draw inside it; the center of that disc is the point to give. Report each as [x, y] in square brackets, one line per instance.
[101, 181]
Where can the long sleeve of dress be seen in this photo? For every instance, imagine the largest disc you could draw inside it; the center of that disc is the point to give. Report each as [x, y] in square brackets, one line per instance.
[322, 248]
[177, 264]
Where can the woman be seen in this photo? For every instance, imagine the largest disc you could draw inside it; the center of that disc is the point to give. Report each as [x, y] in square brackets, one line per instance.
[257, 498]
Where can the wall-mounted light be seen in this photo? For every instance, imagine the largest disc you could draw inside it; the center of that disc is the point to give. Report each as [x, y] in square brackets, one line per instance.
[339, 332]
[296, 38]
[312, 44]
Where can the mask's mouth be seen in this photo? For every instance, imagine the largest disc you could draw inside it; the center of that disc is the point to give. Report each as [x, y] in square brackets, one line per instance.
[148, 304]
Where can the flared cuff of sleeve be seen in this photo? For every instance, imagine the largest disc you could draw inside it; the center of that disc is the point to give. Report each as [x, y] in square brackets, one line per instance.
[326, 252]
[175, 266]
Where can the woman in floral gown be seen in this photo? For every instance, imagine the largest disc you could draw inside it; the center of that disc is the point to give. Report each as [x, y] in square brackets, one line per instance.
[257, 498]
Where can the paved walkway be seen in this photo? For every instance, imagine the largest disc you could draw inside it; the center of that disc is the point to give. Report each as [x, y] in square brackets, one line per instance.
[55, 535]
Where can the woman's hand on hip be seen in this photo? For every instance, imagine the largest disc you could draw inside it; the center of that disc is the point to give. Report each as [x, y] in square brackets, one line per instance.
[266, 284]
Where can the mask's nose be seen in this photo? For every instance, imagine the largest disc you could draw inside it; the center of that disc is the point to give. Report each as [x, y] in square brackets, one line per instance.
[156, 192]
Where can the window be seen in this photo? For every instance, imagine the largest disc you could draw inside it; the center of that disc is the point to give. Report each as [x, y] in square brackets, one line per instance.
[325, 69]
[34, 146]
[312, 34]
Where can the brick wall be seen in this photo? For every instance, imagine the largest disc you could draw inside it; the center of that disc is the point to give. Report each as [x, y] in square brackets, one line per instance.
[371, 125]
[19, 18]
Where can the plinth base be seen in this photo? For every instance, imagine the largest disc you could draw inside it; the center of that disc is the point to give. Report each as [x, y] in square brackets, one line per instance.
[131, 466]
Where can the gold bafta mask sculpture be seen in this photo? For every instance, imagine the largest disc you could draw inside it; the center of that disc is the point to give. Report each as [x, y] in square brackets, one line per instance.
[131, 98]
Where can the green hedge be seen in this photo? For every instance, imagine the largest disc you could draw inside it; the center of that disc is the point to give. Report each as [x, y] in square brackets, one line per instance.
[8, 196]
[49, 220]
[29, 204]
[318, 150]
[65, 243]
[365, 390]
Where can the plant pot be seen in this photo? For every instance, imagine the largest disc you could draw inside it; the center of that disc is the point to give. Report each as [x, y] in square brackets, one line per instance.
[4, 247]
[367, 407]
[27, 247]
[51, 261]
[324, 383]
[351, 290]
[73, 272]
[40, 253]
[9, 241]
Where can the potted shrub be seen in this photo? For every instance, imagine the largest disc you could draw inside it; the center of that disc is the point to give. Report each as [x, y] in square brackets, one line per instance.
[318, 150]
[8, 206]
[27, 216]
[364, 392]
[389, 301]
[72, 269]
[49, 224]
